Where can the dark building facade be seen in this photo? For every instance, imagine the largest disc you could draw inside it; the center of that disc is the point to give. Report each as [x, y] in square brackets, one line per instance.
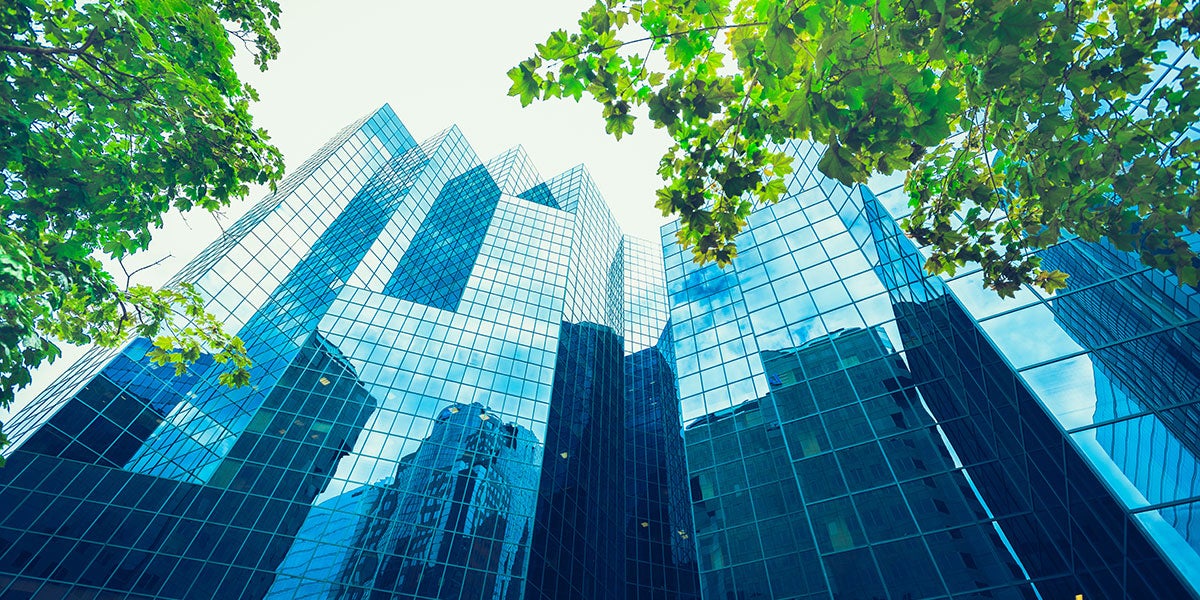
[660, 546]
[581, 484]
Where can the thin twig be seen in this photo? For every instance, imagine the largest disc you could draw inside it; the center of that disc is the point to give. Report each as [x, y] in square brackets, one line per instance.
[665, 36]
[129, 275]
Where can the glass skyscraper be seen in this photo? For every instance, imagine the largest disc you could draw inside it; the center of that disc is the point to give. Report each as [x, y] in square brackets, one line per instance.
[469, 383]
[462, 388]
[856, 428]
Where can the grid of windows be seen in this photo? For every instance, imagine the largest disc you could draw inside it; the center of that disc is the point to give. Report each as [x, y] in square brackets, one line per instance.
[597, 471]
[577, 550]
[645, 312]
[416, 181]
[595, 274]
[1114, 365]
[116, 411]
[197, 434]
[91, 527]
[515, 174]
[435, 268]
[1114, 362]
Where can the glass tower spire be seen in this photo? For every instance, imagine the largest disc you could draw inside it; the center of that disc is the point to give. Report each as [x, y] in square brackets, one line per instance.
[444, 353]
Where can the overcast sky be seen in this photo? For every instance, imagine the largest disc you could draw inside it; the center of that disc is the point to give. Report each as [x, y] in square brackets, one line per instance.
[438, 64]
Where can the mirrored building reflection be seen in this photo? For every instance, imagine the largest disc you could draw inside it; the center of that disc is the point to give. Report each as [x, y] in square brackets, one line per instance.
[455, 516]
[838, 483]
[437, 410]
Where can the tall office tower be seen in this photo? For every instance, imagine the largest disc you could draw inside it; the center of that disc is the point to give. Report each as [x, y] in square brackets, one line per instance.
[440, 408]
[856, 428]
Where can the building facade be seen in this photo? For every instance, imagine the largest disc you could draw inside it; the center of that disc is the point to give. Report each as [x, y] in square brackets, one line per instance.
[856, 428]
[446, 354]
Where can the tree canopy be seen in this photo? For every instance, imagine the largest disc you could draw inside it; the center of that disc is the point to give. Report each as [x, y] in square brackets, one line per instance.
[113, 113]
[1017, 120]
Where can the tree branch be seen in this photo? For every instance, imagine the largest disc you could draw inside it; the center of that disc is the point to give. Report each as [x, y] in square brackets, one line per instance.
[92, 37]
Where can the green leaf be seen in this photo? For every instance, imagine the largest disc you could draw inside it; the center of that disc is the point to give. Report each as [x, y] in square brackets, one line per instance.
[619, 124]
[663, 109]
[860, 20]
[1051, 281]
[571, 86]
[778, 48]
[524, 84]
[557, 46]
[798, 111]
[931, 132]
[772, 191]
[833, 165]
[854, 98]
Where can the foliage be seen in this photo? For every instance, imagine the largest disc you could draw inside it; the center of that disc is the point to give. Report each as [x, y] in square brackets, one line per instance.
[1016, 115]
[115, 112]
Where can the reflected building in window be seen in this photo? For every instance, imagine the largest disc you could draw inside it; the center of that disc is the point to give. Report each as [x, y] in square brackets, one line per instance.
[455, 515]
[437, 410]
[1039, 446]
[93, 525]
[454, 518]
[1134, 323]
[838, 482]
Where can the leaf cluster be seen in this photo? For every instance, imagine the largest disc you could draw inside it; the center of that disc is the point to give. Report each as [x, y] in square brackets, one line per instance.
[1018, 121]
[115, 112]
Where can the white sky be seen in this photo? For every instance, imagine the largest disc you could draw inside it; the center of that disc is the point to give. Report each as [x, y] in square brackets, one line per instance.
[437, 64]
